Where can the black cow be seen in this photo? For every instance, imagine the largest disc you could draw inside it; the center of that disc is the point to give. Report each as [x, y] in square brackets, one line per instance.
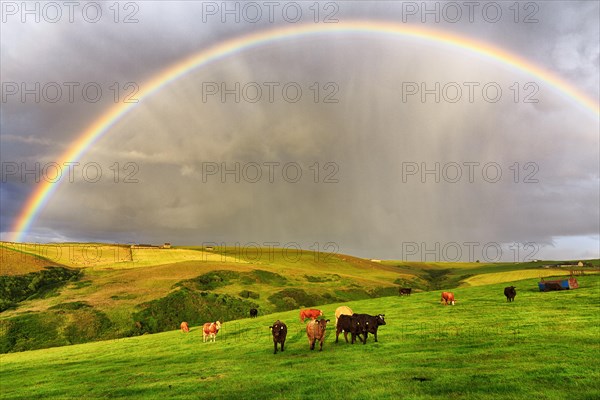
[405, 291]
[279, 331]
[510, 293]
[253, 312]
[369, 324]
[349, 324]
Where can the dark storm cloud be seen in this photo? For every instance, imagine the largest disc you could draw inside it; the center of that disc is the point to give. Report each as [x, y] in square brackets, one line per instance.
[371, 135]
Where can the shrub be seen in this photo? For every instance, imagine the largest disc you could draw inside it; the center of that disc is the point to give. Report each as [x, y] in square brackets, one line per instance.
[74, 305]
[188, 305]
[249, 294]
[288, 299]
[214, 279]
[31, 331]
[40, 284]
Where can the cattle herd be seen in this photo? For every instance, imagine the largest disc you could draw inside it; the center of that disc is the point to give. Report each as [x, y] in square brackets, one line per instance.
[346, 321]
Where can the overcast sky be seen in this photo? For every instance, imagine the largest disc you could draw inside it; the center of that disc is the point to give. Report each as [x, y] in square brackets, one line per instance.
[503, 171]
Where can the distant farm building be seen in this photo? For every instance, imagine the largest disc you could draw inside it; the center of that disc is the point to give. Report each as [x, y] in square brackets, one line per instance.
[166, 246]
[374, 260]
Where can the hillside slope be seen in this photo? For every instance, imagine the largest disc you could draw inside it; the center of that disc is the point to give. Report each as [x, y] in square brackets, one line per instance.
[482, 348]
[15, 261]
[108, 296]
[158, 288]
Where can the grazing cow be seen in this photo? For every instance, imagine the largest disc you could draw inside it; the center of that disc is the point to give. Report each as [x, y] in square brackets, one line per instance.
[405, 291]
[369, 324]
[310, 313]
[315, 330]
[253, 312]
[349, 324]
[210, 330]
[448, 297]
[184, 327]
[342, 310]
[279, 331]
[510, 292]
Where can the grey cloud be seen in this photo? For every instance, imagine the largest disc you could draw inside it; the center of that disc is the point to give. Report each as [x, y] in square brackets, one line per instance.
[369, 134]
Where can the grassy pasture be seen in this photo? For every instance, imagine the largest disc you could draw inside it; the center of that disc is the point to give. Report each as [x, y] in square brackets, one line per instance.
[17, 262]
[105, 256]
[542, 346]
[499, 277]
[453, 274]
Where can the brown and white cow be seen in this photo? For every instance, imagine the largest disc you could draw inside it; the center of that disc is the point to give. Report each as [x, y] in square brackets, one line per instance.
[315, 330]
[342, 310]
[184, 327]
[448, 298]
[210, 330]
[310, 313]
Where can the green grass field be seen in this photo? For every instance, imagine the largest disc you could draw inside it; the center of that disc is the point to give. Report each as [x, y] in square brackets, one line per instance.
[542, 346]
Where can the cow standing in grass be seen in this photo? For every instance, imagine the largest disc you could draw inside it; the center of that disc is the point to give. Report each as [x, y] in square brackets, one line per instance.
[448, 298]
[279, 331]
[405, 291]
[510, 292]
[368, 324]
[210, 330]
[315, 330]
[342, 310]
[349, 324]
[310, 313]
[184, 327]
[253, 312]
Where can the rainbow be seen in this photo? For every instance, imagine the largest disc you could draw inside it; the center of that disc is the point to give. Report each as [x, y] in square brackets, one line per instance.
[43, 192]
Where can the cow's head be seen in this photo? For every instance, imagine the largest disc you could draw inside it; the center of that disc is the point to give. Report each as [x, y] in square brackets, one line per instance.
[278, 329]
[322, 324]
[218, 325]
[380, 319]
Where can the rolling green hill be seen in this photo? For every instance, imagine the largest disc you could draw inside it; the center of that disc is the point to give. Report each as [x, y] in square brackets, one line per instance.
[542, 346]
[119, 291]
[90, 291]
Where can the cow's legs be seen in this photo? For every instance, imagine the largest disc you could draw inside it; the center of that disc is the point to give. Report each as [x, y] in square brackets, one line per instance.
[358, 335]
[375, 334]
[321, 347]
[275, 344]
[282, 343]
[346, 336]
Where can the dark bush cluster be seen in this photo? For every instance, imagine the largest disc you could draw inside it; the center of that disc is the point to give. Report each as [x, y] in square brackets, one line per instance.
[40, 284]
[191, 306]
